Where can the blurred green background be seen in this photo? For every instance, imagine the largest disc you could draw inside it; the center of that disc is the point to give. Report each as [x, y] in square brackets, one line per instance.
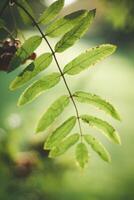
[25, 171]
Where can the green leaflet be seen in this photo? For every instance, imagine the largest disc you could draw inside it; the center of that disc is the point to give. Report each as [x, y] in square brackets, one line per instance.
[62, 147]
[23, 15]
[65, 24]
[81, 154]
[105, 127]
[76, 33]
[38, 87]
[60, 133]
[89, 58]
[29, 46]
[52, 113]
[98, 147]
[95, 100]
[51, 12]
[41, 63]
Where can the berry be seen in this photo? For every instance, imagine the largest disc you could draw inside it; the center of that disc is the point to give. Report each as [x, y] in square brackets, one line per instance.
[32, 56]
[8, 48]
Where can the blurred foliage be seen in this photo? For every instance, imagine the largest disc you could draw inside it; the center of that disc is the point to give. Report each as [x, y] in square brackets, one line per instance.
[25, 170]
[120, 13]
[15, 19]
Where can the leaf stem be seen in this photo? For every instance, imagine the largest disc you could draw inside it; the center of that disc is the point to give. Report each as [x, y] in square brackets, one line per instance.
[57, 63]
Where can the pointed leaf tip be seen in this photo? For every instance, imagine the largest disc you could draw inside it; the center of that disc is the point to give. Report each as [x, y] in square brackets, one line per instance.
[98, 147]
[103, 126]
[82, 156]
[95, 100]
[89, 58]
[65, 24]
[94, 12]
[71, 37]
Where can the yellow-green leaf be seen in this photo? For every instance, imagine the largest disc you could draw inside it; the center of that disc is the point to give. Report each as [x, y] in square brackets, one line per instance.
[51, 12]
[34, 68]
[29, 46]
[63, 146]
[104, 126]
[97, 101]
[52, 113]
[60, 133]
[89, 58]
[65, 24]
[38, 87]
[81, 154]
[98, 147]
[76, 33]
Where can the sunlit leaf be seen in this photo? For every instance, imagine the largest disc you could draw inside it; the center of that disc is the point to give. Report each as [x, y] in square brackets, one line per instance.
[89, 58]
[51, 12]
[98, 147]
[23, 15]
[60, 133]
[52, 113]
[104, 126]
[76, 33]
[29, 46]
[65, 24]
[38, 87]
[34, 68]
[62, 147]
[97, 101]
[81, 154]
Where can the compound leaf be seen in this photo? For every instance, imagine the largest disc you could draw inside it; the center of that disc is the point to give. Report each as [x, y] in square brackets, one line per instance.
[51, 12]
[89, 58]
[104, 126]
[60, 133]
[52, 113]
[65, 24]
[76, 33]
[38, 87]
[34, 68]
[97, 101]
[81, 154]
[29, 46]
[64, 145]
[98, 147]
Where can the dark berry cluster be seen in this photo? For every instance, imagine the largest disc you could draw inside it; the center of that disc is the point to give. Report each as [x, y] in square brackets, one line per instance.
[8, 48]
